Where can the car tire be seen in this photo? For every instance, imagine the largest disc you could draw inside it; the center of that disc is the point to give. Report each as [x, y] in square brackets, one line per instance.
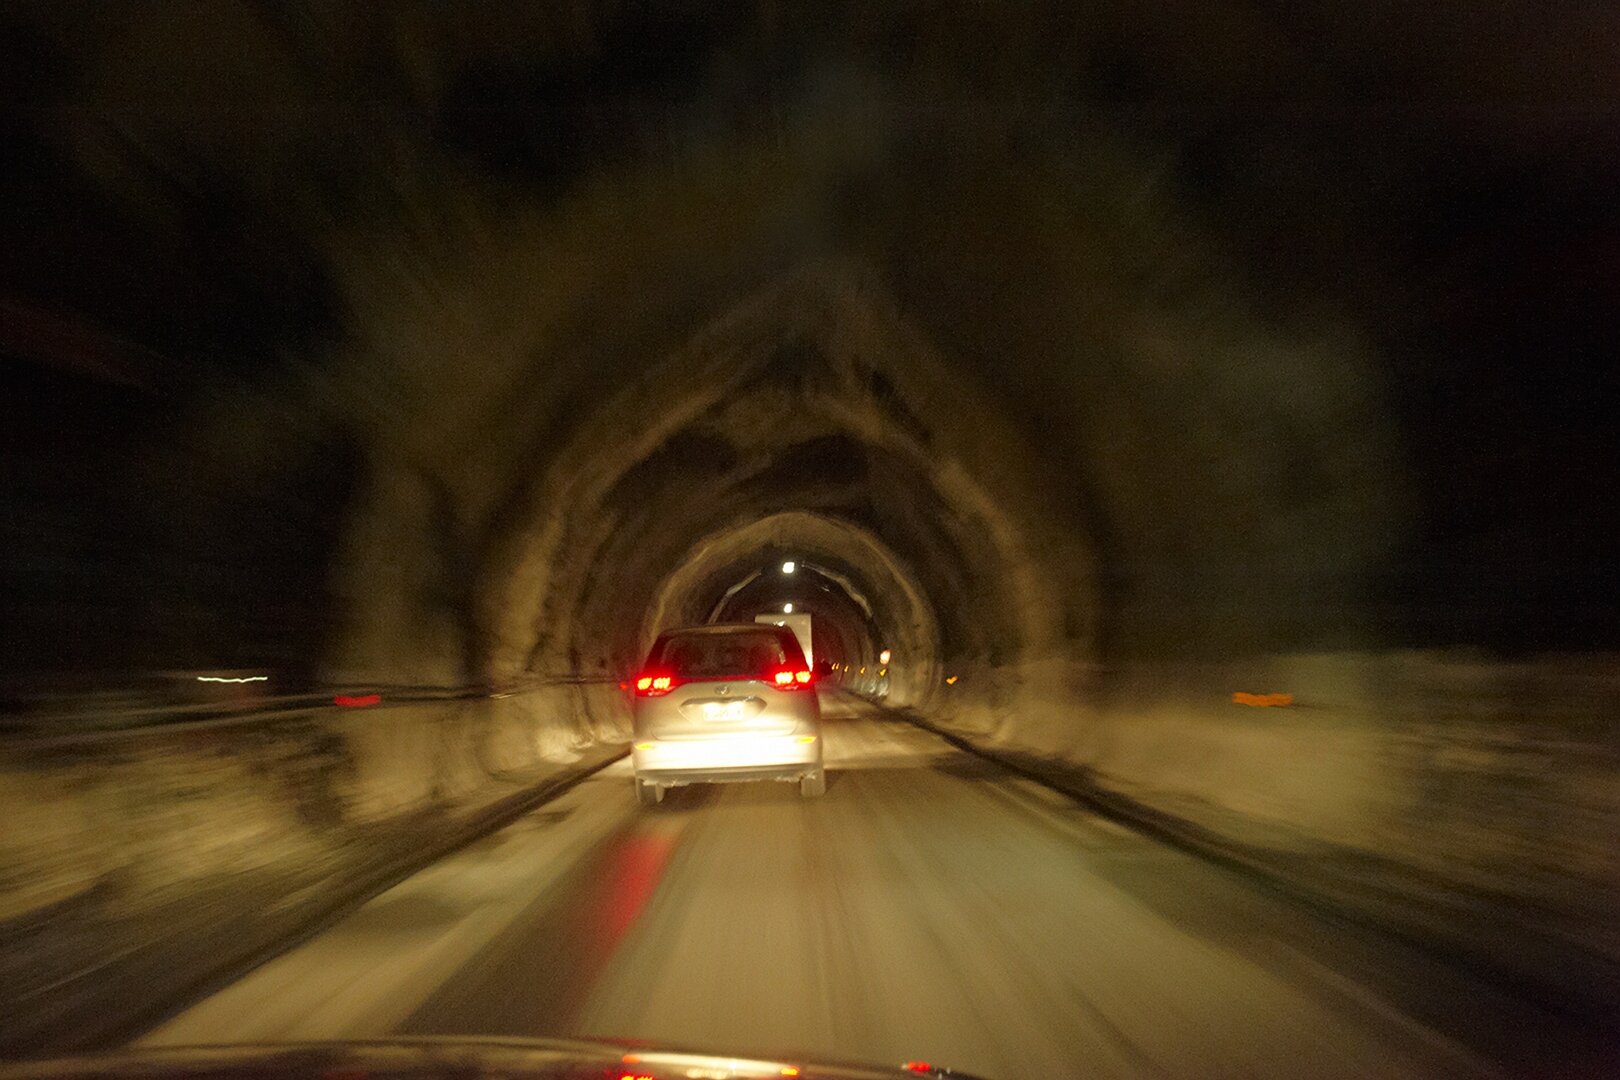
[648, 794]
[815, 785]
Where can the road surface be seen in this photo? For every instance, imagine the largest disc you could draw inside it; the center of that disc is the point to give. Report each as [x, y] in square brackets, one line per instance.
[931, 905]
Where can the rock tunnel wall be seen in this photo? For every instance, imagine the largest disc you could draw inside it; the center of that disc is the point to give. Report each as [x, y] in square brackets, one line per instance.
[1467, 802]
[138, 866]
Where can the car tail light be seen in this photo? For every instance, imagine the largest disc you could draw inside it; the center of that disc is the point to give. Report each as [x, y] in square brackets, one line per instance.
[654, 685]
[789, 679]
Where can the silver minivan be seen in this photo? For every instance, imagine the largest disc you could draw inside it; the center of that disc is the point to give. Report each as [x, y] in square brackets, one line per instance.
[720, 703]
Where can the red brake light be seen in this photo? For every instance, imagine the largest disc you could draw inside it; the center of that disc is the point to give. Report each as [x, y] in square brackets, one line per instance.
[654, 685]
[788, 679]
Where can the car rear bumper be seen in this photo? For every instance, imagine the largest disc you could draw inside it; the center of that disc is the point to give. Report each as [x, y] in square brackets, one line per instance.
[677, 761]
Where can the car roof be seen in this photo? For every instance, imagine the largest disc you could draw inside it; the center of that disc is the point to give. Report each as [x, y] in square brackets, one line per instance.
[723, 628]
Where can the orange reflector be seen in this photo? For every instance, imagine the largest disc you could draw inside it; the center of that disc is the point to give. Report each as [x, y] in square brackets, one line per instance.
[645, 745]
[631, 1059]
[789, 1070]
[951, 681]
[1262, 701]
[807, 738]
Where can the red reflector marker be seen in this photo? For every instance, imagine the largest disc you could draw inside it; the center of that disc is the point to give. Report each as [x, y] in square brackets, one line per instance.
[918, 1066]
[356, 701]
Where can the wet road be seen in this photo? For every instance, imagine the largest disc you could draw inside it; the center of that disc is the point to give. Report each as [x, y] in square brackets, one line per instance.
[930, 905]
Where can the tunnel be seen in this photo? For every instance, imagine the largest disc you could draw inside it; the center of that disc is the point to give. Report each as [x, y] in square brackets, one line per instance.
[1143, 410]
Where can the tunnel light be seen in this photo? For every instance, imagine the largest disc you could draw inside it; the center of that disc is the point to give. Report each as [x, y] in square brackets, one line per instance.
[883, 657]
[883, 671]
[787, 609]
[789, 566]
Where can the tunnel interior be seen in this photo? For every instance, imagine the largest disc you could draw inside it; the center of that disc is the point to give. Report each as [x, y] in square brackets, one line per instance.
[1165, 407]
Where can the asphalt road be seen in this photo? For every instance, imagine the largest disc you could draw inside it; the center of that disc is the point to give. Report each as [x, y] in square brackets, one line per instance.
[929, 906]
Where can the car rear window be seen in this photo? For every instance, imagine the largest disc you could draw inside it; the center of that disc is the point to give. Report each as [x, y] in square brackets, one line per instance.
[712, 656]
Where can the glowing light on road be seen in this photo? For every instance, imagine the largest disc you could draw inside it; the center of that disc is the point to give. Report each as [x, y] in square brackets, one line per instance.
[789, 566]
[883, 657]
[245, 678]
[787, 609]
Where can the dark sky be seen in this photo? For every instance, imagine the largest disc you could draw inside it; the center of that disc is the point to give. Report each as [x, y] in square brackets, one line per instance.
[1445, 172]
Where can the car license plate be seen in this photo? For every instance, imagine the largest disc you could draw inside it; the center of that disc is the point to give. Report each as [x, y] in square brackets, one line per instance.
[726, 710]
